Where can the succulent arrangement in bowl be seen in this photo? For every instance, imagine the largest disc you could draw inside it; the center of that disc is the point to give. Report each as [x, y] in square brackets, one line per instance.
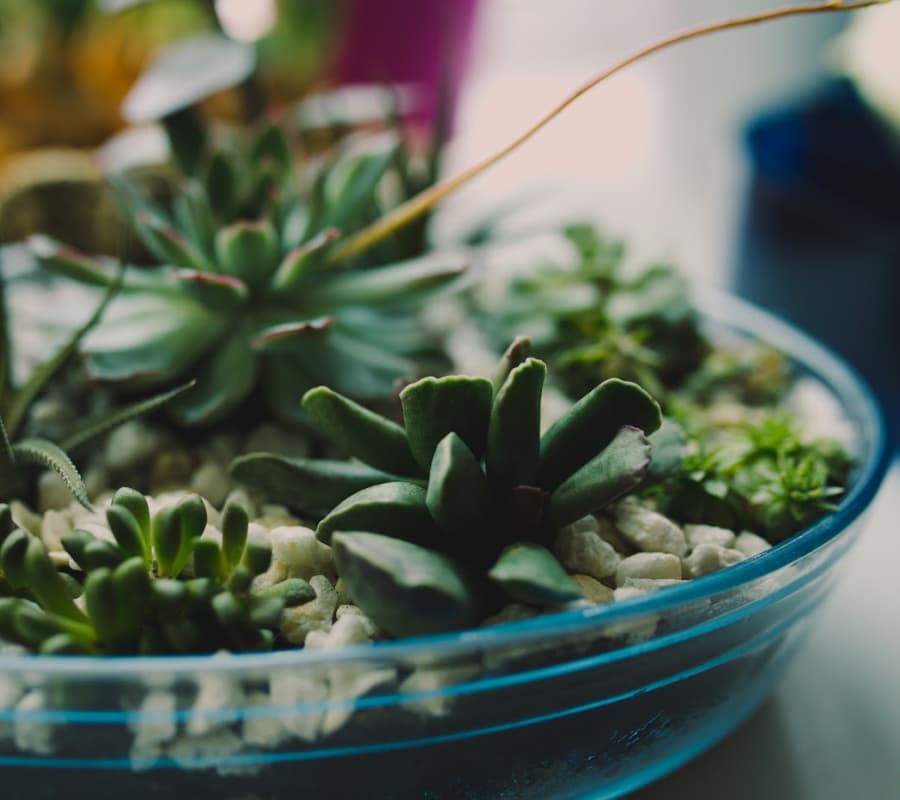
[314, 471]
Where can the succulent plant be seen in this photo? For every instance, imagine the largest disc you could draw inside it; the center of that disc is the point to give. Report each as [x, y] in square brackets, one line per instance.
[597, 321]
[455, 508]
[245, 300]
[154, 587]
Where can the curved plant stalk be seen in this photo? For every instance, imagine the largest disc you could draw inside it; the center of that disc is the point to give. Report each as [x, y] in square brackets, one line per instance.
[423, 202]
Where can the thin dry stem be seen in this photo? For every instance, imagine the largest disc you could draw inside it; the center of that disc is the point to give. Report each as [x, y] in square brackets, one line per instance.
[427, 199]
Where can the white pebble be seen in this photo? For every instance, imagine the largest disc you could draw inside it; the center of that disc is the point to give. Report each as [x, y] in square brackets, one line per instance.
[54, 526]
[594, 591]
[580, 548]
[262, 729]
[346, 683]
[708, 534]
[710, 558]
[216, 705]
[348, 629]
[130, 445]
[24, 517]
[53, 494]
[649, 530]
[302, 554]
[306, 691]
[33, 735]
[651, 584]
[316, 615]
[211, 481]
[750, 544]
[154, 724]
[649, 565]
[427, 681]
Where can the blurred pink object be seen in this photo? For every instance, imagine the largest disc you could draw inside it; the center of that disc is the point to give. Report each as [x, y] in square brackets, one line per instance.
[422, 43]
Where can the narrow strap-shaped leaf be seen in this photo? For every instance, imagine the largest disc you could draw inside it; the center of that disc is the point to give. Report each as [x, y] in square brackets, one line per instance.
[406, 589]
[68, 262]
[514, 434]
[458, 496]
[618, 469]
[529, 573]
[192, 211]
[97, 427]
[47, 454]
[433, 407]
[290, 336]
[187, 138]
[397, 284]
[44, 373]
[166, 536]
[235, 523]
[100, 601]
[590, 425]
[350, 184]
[360, 433]
[394, 509]
[191, 513]
[312, 485]
[46, 585]
[220, 292]
[8, 470]
[169, 245]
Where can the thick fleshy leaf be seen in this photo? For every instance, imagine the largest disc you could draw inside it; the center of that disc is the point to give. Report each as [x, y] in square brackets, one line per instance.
[166, 536]
[188, 139]
[433, 407]
[192, 211]
[128, 533]
[45, 583]
[169, 245]
[136, 504]
[221, 183]
[271, 145]
[312, 485]
[223, 293]
[395, 509]
[406, 589]
[360, 433]
[248, 251]
[529, 573]
[68, 262]
[235, 524]
[668, 445]
[590, 425]
[350, 185]
[397, 284]
[458, 496]
[301, 260]
[51, 456]
[131, 590]
[618, 469]
[515, 354]
[514, 434]
[224, 379]
[186, 72]
[293, 337]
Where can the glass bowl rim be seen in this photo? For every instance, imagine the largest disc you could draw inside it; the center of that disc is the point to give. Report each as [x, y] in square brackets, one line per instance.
[715, 306]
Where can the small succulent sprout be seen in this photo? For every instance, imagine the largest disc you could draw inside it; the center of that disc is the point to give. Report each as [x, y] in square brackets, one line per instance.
[243, 298]
[476, 492]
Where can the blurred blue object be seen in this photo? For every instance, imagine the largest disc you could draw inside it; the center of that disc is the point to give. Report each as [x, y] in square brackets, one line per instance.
[821, 235]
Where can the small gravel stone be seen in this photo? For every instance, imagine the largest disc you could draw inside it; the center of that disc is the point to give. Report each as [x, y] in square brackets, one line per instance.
[651, 584]
[302, 554]
[649, 565]
[24, 517]
[316, 615]
[593, 590]
[53, 494]
[33, 735]
[750, 544]
[708, 558]
[580, 548]
[708, 534]
[347, 629]
[211, 481]
[54, 526]
[130, 445]
[649, 530]
[611, 535]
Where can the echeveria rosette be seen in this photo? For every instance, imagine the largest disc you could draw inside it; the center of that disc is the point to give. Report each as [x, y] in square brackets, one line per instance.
[464, 498]
[245, 299]
[155, 587]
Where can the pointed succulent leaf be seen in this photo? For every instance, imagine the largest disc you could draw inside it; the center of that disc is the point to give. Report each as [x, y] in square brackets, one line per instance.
[668, 445]
[222, 381]
[302, 260]
[618, 469]
[350, 184]
[529, 573]
[312, 485]
[12, 558]
[46, 454]
[68, 262]
[406, 589]
[514, 434]
[221, 183]
[458, 496]
[128, 533]
[188, 138]
[169, 245]
[166, 536]
[396, 284]
[590, 425]
[360, 433]
[235, 523]
[46, 585]
[131, 589]
[272, 145]
[248, 251]
[393, 509]
[223, 293]
[515, 354]
[192, 212]
[291, 337]
[95, 428]
[7, 524]
[433, 407]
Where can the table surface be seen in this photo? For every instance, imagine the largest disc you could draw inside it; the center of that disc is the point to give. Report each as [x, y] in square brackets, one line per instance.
[831, 729]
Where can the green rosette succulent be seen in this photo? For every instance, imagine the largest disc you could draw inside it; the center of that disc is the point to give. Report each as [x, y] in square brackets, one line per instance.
[597, 320]
[244, 298]
[155, 586]
[451, 513]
